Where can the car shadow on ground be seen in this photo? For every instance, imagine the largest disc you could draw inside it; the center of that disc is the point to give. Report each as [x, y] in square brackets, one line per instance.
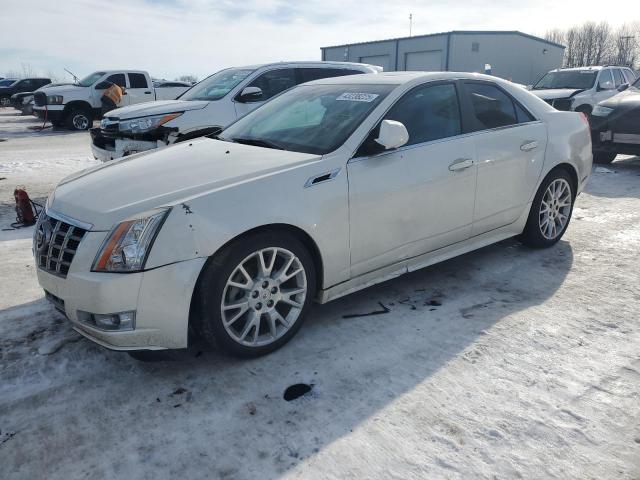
[356, 366]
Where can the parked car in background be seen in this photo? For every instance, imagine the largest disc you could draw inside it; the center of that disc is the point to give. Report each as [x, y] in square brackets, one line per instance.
[615, 125]
[77, 105]
[331, 187]
[24, 101]
[207, 107]
[8, 88]
[580, 89]
[171, 89]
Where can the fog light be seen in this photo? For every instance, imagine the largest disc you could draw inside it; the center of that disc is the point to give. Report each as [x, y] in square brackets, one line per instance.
[114, 321]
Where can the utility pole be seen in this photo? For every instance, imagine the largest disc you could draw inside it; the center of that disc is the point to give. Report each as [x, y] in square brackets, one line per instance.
[410, 22]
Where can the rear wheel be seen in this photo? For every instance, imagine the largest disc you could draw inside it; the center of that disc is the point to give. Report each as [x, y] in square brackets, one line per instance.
[550, 211]
[604, 157]
[253, 295]
[79, 118]
[5, 101]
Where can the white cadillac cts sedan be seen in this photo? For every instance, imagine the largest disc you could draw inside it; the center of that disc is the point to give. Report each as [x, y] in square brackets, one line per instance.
[333, 186]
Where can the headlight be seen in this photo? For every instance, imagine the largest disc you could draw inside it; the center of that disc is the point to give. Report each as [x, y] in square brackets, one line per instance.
[54, 99]
[145, 124]
[600, 111]
[127, 246]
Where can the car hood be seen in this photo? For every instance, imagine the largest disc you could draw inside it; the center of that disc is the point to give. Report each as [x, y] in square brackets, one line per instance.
[156, 108]
[109, 193]
[555, 93]
[630, 98]
[65, 89]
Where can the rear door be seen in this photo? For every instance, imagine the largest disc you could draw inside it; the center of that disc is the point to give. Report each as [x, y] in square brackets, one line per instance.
[510, 146]
[139, 89]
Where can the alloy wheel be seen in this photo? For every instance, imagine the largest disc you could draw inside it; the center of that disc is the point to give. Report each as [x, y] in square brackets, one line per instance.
[5, 102]
[263, 297]
[80, 121]
[555, 209]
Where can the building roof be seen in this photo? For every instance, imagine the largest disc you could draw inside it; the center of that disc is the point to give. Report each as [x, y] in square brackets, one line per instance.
[454, 32]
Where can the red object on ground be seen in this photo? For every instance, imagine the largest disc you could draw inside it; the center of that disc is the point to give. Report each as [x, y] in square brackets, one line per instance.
[24, 209]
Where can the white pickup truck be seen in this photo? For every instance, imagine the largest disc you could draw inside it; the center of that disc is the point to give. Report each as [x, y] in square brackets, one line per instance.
[77, 105]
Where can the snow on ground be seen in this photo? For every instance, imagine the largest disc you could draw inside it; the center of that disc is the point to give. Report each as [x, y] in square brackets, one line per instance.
[503, 363]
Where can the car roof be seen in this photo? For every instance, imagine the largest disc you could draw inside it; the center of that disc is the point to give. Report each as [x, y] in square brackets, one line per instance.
[577, 69]
[399, 78]
[318, 63]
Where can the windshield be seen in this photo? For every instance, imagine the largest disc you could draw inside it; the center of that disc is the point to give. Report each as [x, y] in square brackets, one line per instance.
[7, 83]
[217, 85]
[578, 79]
[91, 79]
[310, 118]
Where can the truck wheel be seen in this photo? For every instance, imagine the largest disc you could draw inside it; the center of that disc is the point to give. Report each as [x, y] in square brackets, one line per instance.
[79, 119]
[5, 101]
[604, 157]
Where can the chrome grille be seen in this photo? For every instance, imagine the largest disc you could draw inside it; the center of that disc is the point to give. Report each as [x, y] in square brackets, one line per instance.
[55, 243]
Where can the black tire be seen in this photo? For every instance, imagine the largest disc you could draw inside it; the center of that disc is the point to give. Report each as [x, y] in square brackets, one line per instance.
[5, 102]
[604, 157]
[79, 118]
[213, 279]
[532, 235]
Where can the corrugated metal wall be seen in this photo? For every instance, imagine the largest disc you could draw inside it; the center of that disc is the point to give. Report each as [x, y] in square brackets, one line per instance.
[519, 57]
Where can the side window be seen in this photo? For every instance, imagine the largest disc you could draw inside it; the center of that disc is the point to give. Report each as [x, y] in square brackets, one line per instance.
[25, 85]
[617, 75]
[492, 107]
[429, 112]
[137, 80]
[522, 115]
[629, 75]
[309, 74]
[275, 81]
[606, 80]
[118, 79]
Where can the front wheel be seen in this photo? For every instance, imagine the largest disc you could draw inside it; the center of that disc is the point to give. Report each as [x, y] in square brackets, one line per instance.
[79, 119]
[5, 101]
[253, 295]
[550, 211]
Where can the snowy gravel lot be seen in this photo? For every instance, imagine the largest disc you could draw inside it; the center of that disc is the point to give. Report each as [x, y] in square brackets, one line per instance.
[504, 363]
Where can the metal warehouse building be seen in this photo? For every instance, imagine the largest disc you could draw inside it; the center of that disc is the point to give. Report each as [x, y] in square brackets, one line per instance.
[513, 55]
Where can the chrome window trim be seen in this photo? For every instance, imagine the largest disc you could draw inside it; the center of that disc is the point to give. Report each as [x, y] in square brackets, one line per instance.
[71, 221]
[441, 140]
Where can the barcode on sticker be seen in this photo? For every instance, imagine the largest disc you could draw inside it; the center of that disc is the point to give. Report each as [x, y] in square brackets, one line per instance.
[358, 97]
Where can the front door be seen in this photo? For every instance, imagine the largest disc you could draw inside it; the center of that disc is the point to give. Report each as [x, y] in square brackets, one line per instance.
[417, 198]
[271, 83]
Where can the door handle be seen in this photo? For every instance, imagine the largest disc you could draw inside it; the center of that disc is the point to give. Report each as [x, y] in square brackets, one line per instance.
[147, 93]
[529, 145]
[461, 164]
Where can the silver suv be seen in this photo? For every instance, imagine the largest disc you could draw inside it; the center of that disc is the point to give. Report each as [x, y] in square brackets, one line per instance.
[580, 89]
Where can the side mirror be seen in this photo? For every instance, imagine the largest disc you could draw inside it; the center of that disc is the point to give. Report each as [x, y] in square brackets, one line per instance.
[623, 87]
[392, 134]
[103, 85]
[607, 85]
[250, 94]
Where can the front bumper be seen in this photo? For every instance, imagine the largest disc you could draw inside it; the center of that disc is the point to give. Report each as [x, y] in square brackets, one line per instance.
[53, 113]
[161, 298]
[106, 148]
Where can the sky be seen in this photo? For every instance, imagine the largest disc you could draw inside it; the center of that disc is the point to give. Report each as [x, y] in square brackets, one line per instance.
[170, 38]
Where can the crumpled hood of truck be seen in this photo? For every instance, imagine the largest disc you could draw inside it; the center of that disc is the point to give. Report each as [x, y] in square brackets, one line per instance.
[109, 193]
[159, 107]
[68, 90]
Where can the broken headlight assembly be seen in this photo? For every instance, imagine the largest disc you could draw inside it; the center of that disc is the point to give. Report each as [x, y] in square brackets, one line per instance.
[145, 124]
[54, 99]
[127, 246]
[600, 111]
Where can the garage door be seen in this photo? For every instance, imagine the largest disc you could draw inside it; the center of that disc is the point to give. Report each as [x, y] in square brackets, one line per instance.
[379, 60]
[423, 61]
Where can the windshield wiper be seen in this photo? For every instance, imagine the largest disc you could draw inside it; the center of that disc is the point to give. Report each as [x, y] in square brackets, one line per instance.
[258, 142]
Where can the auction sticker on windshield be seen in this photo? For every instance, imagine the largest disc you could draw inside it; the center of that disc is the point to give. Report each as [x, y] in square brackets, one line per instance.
[358, 97]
